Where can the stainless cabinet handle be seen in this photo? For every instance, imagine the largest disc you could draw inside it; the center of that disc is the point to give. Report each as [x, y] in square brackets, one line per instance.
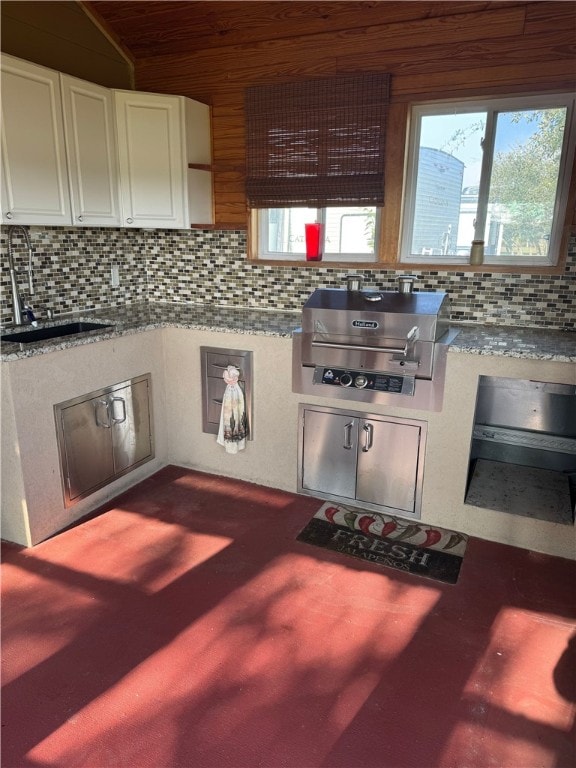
[368, 435]
[104, 404]
[123, 417]
[348, 436]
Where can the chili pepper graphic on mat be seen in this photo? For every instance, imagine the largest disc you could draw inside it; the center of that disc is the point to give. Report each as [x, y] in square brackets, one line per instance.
[388, 527]
[365, 522]
[453, 541]
[350, 518]
[330, 512]
[408, 532]
[432, 537]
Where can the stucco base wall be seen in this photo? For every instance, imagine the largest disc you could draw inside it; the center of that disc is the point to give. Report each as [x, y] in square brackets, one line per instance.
[32, 505]
[35, 385]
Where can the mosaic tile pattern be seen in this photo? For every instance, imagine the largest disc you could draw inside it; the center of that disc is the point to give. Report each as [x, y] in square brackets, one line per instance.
[72, 272]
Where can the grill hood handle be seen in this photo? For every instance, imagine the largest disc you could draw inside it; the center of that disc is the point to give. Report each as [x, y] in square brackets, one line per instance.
[407, 351]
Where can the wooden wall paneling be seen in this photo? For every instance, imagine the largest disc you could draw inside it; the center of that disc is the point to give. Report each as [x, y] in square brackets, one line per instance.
[505, 47]
[541, 16]
[393, 182]
[519, 51]
[551, 75]
[61, 36]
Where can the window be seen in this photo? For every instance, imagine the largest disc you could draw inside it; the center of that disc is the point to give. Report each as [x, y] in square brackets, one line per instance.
[315, 153]
[349, 234]
[496, 171]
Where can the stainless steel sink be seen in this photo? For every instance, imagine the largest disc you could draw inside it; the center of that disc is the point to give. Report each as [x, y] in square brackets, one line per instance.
[53, 332]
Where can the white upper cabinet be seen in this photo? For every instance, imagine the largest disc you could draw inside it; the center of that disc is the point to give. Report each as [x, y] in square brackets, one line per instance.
[159, 136]
[34, 172]
[74, 152]
[92, 153]
[151, 152]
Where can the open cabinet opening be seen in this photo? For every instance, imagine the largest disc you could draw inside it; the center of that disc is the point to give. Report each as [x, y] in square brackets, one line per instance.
[523, 452]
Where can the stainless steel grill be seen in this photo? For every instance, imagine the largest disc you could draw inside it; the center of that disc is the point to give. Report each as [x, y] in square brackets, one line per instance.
[375, 346]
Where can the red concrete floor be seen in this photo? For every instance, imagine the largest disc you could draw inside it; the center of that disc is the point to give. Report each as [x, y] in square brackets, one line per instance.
[187, 628]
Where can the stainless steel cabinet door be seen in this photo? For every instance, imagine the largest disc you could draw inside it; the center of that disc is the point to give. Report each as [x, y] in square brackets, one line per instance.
[388, 463]
[87, 446]
[329, 453]
[130, 418]
[373, 461]
[103, 434]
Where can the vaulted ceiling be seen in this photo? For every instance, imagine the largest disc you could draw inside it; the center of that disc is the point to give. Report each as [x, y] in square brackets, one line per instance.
[149, 29]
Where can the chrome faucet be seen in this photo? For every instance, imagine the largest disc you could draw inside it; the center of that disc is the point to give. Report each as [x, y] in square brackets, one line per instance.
[19, 308]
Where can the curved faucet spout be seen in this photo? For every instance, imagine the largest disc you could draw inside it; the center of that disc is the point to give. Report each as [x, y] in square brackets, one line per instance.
[16, 299]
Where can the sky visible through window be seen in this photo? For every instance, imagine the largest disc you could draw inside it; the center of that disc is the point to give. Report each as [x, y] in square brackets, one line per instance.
[462, 138]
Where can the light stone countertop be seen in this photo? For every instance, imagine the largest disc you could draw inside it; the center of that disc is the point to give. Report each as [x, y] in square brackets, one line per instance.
[509, 341]
[504, 341]
[146, 316]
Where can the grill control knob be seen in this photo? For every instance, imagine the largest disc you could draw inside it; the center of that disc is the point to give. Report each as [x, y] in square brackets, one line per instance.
[345, 380]
[360, 381]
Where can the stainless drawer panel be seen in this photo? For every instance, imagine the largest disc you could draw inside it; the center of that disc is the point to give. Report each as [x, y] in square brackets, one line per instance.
[214, 361]
[215, 393]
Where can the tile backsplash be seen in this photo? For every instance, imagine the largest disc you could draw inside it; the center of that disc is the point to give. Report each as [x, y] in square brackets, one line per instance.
[72, 271]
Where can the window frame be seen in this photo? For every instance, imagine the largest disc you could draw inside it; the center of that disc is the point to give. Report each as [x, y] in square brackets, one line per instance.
[327, 258]
[490, 105]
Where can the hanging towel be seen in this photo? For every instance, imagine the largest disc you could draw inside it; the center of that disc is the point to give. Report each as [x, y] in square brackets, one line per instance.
[233, 429]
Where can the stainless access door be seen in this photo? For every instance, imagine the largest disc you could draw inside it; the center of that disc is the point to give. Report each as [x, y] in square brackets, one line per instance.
[388, 464]
[329, 453]
[371, 461]
[87, 444]
[130, 419]
[104, 434]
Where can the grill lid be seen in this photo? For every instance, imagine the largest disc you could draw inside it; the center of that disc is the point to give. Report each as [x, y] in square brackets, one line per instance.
[381, 314]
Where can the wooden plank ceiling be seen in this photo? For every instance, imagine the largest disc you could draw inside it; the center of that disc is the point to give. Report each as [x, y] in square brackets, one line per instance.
[148, 29]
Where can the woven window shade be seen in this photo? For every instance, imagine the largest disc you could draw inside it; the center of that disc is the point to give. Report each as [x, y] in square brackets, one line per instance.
[317, 143]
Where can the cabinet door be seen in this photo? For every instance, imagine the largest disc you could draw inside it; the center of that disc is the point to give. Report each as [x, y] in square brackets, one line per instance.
[388, 463]
[329, 453]
[34, 173]
[87, 438]
[151, 152]
[92, 152]
[131, 432]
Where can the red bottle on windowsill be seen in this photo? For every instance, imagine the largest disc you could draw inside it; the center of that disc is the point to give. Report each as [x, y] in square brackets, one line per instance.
[313, 242]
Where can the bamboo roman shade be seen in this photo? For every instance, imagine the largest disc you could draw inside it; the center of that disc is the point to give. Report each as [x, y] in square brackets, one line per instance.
[317, 143]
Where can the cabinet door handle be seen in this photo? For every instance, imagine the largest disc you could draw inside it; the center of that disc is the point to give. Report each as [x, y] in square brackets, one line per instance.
[9, 215]
[123, 417]
[348, 435]
[130, 221]
[97, 405]
[368, 435]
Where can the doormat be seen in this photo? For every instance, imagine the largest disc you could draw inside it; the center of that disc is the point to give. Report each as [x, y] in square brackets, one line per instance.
[416, 548]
